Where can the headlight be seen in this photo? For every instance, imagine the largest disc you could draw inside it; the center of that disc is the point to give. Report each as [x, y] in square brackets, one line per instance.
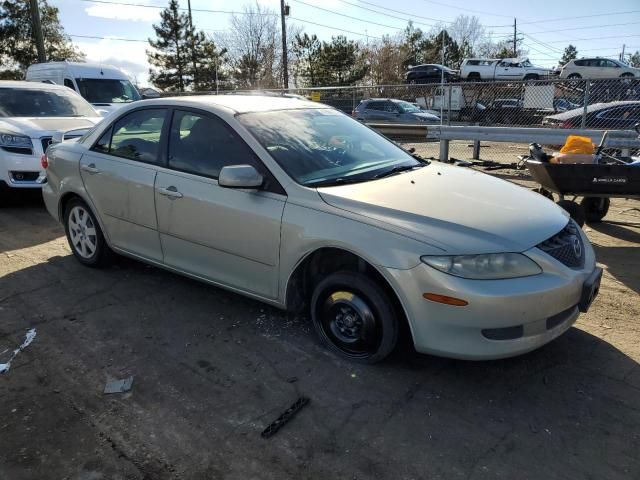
[16, 141]
[491, 266]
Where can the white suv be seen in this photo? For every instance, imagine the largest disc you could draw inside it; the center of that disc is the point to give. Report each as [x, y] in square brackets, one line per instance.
[598, 68]
[30, 114]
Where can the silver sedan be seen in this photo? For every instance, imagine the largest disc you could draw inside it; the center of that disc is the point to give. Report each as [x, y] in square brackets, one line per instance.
[300, 206]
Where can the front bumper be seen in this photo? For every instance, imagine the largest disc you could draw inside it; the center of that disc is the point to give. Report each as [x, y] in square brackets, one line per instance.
[22, 170]
[503, 318]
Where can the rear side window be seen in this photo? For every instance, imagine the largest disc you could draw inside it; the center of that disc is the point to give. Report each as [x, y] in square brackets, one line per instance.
[202, 145]
[375, 105]
[69, 83]
[579, 63]
[136, 136]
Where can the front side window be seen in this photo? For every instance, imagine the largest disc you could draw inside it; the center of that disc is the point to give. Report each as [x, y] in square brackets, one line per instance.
[99, 90]
[137, 135]
[27, 102]
[323, 147]
[202, 145]
[69, 83]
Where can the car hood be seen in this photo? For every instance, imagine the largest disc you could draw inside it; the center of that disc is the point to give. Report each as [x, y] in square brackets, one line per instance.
[428, 117]
[36, 127]
[455, 209]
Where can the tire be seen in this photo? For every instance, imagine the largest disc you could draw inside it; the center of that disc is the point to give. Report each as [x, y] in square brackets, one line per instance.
[574, 210]
[474, 77]
[627, 75]
[532, 76]
[85, 236]
[595, 208]
[354, 317]
[574, 76]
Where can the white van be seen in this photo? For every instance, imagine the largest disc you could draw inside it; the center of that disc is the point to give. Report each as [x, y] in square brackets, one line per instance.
[104, 86]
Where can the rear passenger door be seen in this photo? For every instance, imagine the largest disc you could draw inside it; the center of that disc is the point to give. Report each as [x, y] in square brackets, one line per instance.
[228, 236]
[119, 175]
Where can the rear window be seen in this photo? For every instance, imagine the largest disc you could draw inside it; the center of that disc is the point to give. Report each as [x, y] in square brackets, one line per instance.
[99, 90]
[27, 102]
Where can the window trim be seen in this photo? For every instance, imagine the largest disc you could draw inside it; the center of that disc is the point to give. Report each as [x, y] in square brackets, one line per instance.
[161, 156]
[271, 183]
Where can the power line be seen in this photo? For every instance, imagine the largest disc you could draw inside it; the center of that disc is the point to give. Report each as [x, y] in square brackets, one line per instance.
[203, 10]
[118, 39]
[543, 44]
[457, 7]
[335, 28]
[439, 20]
[587, 27]
[580, 16]
[389, 15]
[348, 16]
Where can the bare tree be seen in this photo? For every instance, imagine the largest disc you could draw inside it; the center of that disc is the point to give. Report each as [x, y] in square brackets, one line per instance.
[253, 43]
[466, 30]
[386, 61]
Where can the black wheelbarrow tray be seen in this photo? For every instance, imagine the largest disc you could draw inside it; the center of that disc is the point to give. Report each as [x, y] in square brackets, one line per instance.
[595, 182]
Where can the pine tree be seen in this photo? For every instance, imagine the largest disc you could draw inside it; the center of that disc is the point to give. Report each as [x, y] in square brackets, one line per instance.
[342, 62]
[569, 54]
[171, 52]
[17, 45]
[209, 63]
[634, 60]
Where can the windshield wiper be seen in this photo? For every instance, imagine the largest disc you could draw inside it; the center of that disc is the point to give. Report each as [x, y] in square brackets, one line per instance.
[398, 169]
[334, 181]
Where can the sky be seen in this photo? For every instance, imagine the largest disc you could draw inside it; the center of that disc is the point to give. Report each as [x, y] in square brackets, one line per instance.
[596, 28]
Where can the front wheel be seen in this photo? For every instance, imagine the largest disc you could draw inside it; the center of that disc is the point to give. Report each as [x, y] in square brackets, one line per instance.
[574, 76]
[354, 317]
[85, 236]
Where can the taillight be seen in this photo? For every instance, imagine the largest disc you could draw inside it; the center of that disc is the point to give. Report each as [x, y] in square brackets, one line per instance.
[353, 113]
[566, 124]
[44, 161]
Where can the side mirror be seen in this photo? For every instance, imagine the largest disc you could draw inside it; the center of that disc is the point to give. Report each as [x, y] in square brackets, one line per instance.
[240, 176]
[637, 127]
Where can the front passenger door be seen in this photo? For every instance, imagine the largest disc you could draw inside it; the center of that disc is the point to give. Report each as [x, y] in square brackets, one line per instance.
[228, 236]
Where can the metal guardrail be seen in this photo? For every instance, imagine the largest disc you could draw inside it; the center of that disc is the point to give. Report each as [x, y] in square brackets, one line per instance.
[620, 139]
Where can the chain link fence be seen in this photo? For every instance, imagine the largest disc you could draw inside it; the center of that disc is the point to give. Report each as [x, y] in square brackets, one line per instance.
[554, 103]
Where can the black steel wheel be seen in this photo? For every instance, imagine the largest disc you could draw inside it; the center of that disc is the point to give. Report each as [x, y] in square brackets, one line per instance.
[574, 210]
[595, 208]
[354, 317]
[85, 235]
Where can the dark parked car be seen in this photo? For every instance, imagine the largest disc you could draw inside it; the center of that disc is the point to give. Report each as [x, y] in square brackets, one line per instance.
[613, 115]
[503, 110]
[389, 110]
[429, 73]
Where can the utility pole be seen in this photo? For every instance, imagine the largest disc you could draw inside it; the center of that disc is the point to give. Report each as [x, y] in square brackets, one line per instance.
[515, 39]
[442, 95]
[193, 48]
[36, 27]
[624, 46]
[284, 11]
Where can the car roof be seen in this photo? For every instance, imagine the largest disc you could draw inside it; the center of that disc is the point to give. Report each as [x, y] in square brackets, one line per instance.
[242, 103]
[593, 108]
[32, 85]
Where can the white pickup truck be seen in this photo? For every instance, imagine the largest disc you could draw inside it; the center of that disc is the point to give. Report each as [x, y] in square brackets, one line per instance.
[501, 69]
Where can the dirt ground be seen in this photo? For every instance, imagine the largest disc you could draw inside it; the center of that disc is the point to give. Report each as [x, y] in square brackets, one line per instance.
[211, 369]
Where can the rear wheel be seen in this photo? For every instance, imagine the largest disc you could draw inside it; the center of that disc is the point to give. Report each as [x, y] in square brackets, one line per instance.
[85, 236]
[627, 75]
[574, 76]
[595, 208]
[532, 76]
[574, 210]
[354, 317]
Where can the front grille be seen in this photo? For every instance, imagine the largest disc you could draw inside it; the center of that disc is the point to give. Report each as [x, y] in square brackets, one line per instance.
[46, 141]
[566, 246]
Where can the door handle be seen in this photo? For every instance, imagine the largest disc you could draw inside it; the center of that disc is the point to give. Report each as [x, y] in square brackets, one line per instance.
[171, 192]
[91, 168]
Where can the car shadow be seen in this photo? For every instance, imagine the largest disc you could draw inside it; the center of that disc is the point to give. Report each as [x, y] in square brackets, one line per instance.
[200, 353]
[618, 230]
[25, 222]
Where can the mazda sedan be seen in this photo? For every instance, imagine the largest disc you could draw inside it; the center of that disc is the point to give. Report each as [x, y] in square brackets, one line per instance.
[302, 207]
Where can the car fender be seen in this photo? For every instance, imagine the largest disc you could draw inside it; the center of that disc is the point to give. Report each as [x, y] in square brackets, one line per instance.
[305, 230]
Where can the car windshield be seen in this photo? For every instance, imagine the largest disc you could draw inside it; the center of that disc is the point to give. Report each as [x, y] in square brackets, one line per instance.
[99, 90]
[323, 147]
[29, 102]
[407, 107]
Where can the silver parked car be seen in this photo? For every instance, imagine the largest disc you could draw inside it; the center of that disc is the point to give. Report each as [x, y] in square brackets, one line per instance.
[388, 110]
[300, 206]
